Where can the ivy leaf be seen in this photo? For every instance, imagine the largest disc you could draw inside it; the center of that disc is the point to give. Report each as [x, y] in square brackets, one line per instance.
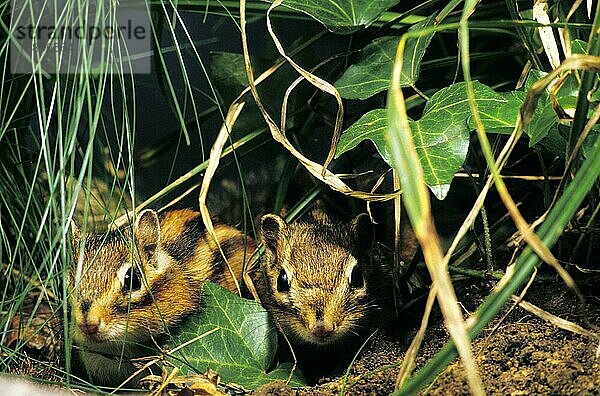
[371, 74]
[588, 143]
[441, 136]
[555, 142]
[342, 16]
[501, 119]
[578, 47]
[228, 77]
[545, 115]
[371, 126]
[233, 336]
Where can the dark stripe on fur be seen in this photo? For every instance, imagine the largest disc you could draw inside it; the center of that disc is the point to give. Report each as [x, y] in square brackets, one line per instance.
[182, 248]
[230, 247]
[159, 286]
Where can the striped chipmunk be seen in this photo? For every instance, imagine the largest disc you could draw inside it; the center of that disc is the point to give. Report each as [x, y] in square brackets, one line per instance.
[317, 281]
[138, 282]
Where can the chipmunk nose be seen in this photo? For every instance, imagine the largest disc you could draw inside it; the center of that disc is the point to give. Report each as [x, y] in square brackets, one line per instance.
[322, 329]
[89, 328]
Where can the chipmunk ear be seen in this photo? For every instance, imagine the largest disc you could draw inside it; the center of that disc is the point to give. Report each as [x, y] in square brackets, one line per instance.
[147, 232]
[270, 227]
[362, 231]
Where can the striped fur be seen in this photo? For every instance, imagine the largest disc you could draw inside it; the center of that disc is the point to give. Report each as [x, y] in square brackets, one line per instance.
[171, 257]
[327, 298]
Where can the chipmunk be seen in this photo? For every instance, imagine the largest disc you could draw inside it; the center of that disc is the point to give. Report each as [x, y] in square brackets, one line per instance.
[316, 279]
[129, 295]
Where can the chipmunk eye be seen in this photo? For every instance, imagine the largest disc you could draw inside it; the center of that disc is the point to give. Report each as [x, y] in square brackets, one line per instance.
[283, 283]
[356, 278]
[132, 280]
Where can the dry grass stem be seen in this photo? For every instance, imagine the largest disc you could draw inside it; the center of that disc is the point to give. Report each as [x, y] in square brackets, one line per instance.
[317, 82]
[215, 155]
[540, 14]
[555, 320]
[508, 275]
[318, 171]
[409, 362]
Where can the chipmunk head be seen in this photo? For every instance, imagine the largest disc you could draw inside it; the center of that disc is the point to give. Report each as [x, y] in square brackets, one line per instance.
[121, 282]
[317, 277]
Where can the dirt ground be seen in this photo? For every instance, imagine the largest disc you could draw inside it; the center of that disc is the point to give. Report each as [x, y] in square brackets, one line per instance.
[523, 355]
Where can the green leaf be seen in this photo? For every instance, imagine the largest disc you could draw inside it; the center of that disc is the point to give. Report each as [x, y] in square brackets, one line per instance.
[441, 136]
[370, 126]
[545, 116]
[442, 148]
[371, 74]
[233, 336]
[228, 73]
[555, 142]
[588, 144]
[502, 119]
[578, 47]
[541, 123]
[342, 16]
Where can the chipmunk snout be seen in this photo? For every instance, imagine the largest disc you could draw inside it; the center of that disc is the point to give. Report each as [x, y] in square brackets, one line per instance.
[89, 322]
[89, 328]
[322, 329]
